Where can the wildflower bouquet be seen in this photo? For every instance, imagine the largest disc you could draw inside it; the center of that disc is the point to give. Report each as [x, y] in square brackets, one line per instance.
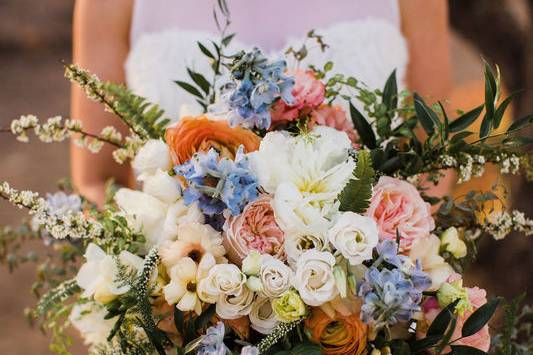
[291, 217]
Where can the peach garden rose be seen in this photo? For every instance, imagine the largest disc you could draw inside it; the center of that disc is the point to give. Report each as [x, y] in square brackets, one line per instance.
[254, 229]
[397, 207]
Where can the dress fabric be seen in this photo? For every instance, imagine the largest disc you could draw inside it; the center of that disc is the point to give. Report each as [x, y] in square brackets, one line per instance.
[364, 39]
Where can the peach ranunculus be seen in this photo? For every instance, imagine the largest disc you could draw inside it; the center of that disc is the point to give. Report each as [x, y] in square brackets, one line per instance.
[199, 134]
[254, 229]
[477, 297]
[397, 207]
[339, 335]
[308, 93]
[335, 117]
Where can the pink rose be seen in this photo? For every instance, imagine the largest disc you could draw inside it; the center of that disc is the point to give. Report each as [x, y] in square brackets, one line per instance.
[480, 340]
[308, 93]
[335, 117]
[254, 229]
[396, 205]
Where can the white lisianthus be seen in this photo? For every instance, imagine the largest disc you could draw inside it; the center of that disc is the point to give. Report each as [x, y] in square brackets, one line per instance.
[354, 236]
[233, 306]
[426, 251]
[314, 278]
[222, 280]
[157, 220]
[262, 317]
[162, 186]
[183, 287]
[305, 190]
[154, 155]
[98, 276]
[89, 320]
[275, 276]
[298, 241]
[452, 243]
[251, 264]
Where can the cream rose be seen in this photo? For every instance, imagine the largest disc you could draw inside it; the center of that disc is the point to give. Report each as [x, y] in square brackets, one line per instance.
[275, 276]
[354, 236]
[233, 306]
[262, 317]
[298, 241]
[314, 278]
[222, 280]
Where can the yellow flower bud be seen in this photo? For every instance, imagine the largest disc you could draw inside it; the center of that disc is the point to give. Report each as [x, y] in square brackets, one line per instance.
[452, 243]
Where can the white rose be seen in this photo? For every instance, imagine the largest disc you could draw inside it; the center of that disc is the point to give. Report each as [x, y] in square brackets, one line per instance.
[355, 236]
[162, 186]
[222, 279]
[262, 317]
[154, 155]
[98, 276]
[452, 243]
[426, 250]
[314, 277]
[275, 276]
[299, 241]
[234, 306]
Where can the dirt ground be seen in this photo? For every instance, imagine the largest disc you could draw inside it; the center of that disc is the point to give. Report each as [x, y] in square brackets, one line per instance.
[34, 37]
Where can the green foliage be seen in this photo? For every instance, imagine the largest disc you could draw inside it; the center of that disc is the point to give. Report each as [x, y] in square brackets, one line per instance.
[516, 334]
[479, 318]
[56, 296]
[356, 195]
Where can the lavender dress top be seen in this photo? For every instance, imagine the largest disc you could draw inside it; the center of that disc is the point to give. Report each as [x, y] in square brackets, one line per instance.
[364, 39]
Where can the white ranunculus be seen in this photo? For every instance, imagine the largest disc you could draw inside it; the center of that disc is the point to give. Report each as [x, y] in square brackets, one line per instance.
[305, 190]
[89, 319]
[314, 278]
[154, 155]
[233, 306]
[299, 241]
[262, 317]
[98, 276]
[222, 280]
[162, 186]
[179, 214]
[355, 236]
[426, 250]
[275, 276]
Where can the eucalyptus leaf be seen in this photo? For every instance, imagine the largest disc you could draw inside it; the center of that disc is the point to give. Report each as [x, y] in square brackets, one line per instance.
[466, 119]
[189, 88]
[427, 117]
[479, 318]
[466, 350]
[442, 321]
[486, 126]
[520, 123]
[200, 80]
[390, 92]
[366, 133]
[206, 51]
[500, 111]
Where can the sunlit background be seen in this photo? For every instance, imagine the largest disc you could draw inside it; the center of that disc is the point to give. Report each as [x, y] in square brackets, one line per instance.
[35, 36]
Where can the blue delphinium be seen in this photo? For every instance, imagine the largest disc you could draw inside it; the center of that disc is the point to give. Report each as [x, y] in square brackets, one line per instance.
[218, 183]
[213, 341]
[392, 292]
[255, 85]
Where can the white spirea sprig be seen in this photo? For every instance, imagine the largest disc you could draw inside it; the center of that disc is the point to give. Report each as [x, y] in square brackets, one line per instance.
[73, 225]
[277, 333]
[132, 144]
[500, 224]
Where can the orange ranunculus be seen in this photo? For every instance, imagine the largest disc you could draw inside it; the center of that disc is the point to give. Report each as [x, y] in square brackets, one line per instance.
[338, 335]
[199, 134]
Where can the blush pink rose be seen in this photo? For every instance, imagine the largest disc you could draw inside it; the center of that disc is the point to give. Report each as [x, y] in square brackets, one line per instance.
[254, 229]
[396, 205]
[480, 340]
[334, 117]
[308, 93]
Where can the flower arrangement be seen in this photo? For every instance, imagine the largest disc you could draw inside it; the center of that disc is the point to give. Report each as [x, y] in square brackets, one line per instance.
[275, 222]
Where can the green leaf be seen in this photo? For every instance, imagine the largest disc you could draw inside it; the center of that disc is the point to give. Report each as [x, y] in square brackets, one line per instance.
[466, 119]
[200, 80]
[306, 348]
[486, 126]
[520, 123]
[356, 194]
[205, 51]
[460, 136]
[491, 90]
[366, 133]
[447, 336]
[179, 320]
[500, 111]
[189, 88]
[442, 321]
[466, 350]
[226, 40]
[446, 128]
[203, 319]
[518, 141]
[423, 344]
[427, 117]
[479, 318]
[390, 92]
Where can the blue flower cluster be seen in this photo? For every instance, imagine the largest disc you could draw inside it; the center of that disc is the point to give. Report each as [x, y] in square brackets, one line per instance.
[255, 85]
[218, 183]
[391, 295]
[213, 341]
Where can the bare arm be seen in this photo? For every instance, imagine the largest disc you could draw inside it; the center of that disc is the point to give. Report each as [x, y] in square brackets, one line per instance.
[101, 41]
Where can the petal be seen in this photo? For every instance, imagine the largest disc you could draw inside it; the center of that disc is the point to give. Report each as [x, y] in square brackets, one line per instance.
[173, 292]
[187, 302]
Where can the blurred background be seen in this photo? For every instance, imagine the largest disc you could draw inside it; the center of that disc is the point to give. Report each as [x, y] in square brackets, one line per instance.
[35, 36]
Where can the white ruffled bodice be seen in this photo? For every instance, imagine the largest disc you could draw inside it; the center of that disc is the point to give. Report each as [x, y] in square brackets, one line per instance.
[367, 49]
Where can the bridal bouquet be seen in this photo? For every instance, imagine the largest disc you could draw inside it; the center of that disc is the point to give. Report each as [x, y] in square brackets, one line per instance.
[292, 216]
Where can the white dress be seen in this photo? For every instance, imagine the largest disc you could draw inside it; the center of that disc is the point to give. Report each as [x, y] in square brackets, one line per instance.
[364, 40]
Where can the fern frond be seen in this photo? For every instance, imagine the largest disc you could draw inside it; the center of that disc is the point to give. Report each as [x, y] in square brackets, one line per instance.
[356, 195]
[56, 296]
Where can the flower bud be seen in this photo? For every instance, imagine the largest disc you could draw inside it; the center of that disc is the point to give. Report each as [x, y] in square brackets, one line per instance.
[251, 265]
[452, 243]
[340, 280]
[254, 283]
[449, 292]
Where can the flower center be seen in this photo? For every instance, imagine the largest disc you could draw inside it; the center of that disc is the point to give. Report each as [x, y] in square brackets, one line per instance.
[191, 286]
[195, 255]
